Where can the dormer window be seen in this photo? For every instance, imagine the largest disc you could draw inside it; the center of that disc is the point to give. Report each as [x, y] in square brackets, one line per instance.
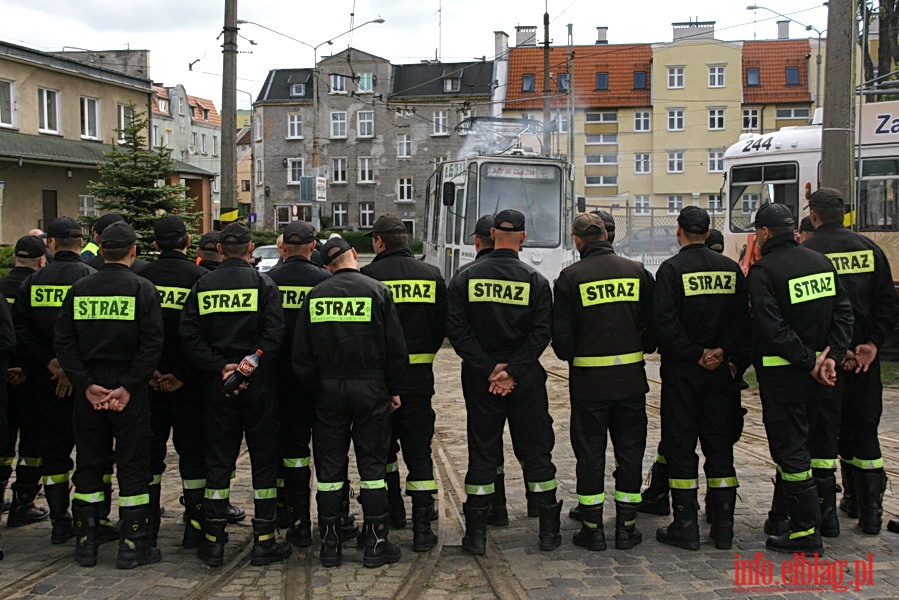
[163, 105]
[298, 89]
[205, 114]
[451, 84]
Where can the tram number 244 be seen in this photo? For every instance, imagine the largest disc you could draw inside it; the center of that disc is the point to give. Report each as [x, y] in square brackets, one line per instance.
[757, 144]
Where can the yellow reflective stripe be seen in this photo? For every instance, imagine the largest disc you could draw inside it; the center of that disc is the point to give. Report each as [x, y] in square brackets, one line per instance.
[723, 482]
[778, 361]
[428, 485]
[94, 498]
[683, 484]
[30, 461]
[265, 494]
[345, 310]
[542, 486]
[847, 263]
[265, 536]
[107, 477]
[329, 486]
[295, 463]
[11, 300]
[172, 297]
[48, 296]
[811, 287]
[139, 500]
[105, 308]
[293, 296]
[413, 290]
[373, 484]
[660, 459]
[591, 499]
[55, 479]
[804, 476]
[703, 283]
[90, 247]
[867, 464]
[824, 463]
[156, 480]
[608, 361]
[626, 289]
[499, 291]
[631, 498]
[6, 461]
[193, 484]
[802, 534]
[479, 490]
[228, 301]
[392, 467]
[213, 494]
[421, 359]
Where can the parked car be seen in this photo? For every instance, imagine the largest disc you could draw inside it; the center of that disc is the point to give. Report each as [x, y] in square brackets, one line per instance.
[658, 239]
[266, 257]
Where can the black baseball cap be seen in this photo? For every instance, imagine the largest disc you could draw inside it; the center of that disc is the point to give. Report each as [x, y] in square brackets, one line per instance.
[588, 224]
[388, 224]
[64, 227]
[235, 233]
[483, 226]
[608, 221]
[209, 242]
[806, 225]
[826, 198]
[107, 220]
[30, 246]
[694, 219]
[774, 214]
[513, 217]
[333, 248]
[715, 241]
[299, 232]
[169, 227]
[118, 234]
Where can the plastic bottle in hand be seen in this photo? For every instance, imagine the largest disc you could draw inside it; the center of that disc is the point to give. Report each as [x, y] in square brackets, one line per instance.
[243, 372]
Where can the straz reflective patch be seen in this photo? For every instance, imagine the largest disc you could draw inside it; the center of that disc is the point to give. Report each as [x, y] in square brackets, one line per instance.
[811, 287]
[413, 290]
[228, 301]
[105, 308]
[172, 297]
[293, 296]
[322, 310]
[610, 290]
[48, 296]
[704, 283]
[852, 262]
[499, 291]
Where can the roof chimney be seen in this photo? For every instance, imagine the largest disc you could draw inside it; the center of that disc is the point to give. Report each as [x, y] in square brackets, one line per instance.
[602, 35]
[783, 30]
[525, 35]
[692, 30]
[501, 45]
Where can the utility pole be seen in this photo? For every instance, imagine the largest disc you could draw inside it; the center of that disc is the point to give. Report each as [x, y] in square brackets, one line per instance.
[837, 161]
[229, 112]
[547, 142]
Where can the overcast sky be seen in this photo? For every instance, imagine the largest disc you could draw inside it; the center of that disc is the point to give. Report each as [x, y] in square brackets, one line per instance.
[179, 32]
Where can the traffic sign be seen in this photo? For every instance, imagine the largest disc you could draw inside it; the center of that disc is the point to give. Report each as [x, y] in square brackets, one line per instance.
[251, 217]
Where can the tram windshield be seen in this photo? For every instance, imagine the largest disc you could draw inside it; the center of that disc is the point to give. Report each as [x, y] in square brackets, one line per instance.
[535, 190]
[878, 195]
[754, 185]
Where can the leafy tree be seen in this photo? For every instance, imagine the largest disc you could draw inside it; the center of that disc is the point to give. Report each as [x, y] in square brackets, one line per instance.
[885, 16]
[132, 183]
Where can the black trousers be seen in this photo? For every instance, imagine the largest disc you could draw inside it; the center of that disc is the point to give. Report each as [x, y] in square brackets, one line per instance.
[530, 426]
[351, 409]
[296, 413]
[861, 398]
[697, 404]
[57, 437]
[413, 428]
[179, 413]
[23, 422]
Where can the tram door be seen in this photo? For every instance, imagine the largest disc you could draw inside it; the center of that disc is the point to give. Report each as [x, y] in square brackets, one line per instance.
[453, 233]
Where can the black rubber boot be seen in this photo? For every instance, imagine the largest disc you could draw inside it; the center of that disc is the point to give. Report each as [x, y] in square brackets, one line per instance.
[154, 514]
[849, 500]
[423, 537]
[873, 483]
[655, 497]
[22, 510]
[826, 483]
[626, 533]
[193, 518]
[805, 518]
[475, 539]
[212, 550]
[86, 525]
[550, 515]
[330, 553]
[721, 502]
[108, 532]
[397, 508]
[576, 512]
[346, 526]
[134, 544]
[267, 549]
[684, 531]
[591, 535]
[533, 506]
[378, 549]
[300, 531]
[235, 514]
[893, 525]
[777, 522]
[57, 496]
[498, 515]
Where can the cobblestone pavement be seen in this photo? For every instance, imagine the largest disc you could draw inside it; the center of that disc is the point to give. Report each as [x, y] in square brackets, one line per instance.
[513, 567]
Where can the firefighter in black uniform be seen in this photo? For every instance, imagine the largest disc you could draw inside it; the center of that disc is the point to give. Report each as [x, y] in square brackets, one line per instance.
[349, 345]
[294, 278]
[40, 299]
[230, 313]
[22, 413]
[109, 338]
[500, 317]
[865, 274]
[7, 347]
[207, 251]
[801, 327]
[176, 394]
[701, 318]
[602, 317]
[419, 293]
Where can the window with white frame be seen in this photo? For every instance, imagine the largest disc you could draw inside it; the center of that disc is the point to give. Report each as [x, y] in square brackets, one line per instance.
[562, 82]
[366, 215]
[601, 180]
[338, 170]
[7, 103]
[163, 105]
[90, 119]
[257, 127]
[169, 136]
[48, 110]
[297, 89]
[366, 83]
[716, 206]
[563, 123]
[792, 75]
[716, 118]
[404, 189]
[294, 126]
[180, 107]
[244, 185]
[465, 114]
[440, 123]
[601, 159]
[527, 82]
[215, 184]
[675, 204]
[716, 161]
[366, 169]
[675, 119]
[675, 77]
[338, 124]
[365, 123]
[87, 206]
[642, 204]
[404, 145]
[451, 84]
[338, 84]
[601, 117]
[716, 77]
[155, 136]
[601, 138]
[215, 145]
[193, 142]
[676, 162]
[125, 116]
[339, 212]
[642, 163]
[750, 119]
[792, 113]
[258, 171]
[203, 143]
[642, 121]
[749, 203]
[294, 171]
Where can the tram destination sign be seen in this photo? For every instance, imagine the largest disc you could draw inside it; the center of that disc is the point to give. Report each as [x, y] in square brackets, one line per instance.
[520, 171]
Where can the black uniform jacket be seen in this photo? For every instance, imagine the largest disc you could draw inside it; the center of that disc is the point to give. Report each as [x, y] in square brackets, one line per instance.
[40, 299]
[294, 278]
[602, 320]
[798, 306]
[7, 331]
[9, 287]
[174, 275]
[110, 321]
[230, 313]
[349, 329]
[865, 274]
[500, 311]
[700, 301]
[419, 293]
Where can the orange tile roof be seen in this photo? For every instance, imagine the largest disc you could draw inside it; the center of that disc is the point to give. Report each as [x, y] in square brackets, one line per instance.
[620, 61]
[771, 58]
[214, 118]
[159, 92]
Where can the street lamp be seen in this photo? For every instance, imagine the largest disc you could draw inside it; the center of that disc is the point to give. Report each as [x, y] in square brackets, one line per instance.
[817, 57]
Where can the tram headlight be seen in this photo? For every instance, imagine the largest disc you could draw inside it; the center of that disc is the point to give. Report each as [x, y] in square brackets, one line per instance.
[536, 257]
